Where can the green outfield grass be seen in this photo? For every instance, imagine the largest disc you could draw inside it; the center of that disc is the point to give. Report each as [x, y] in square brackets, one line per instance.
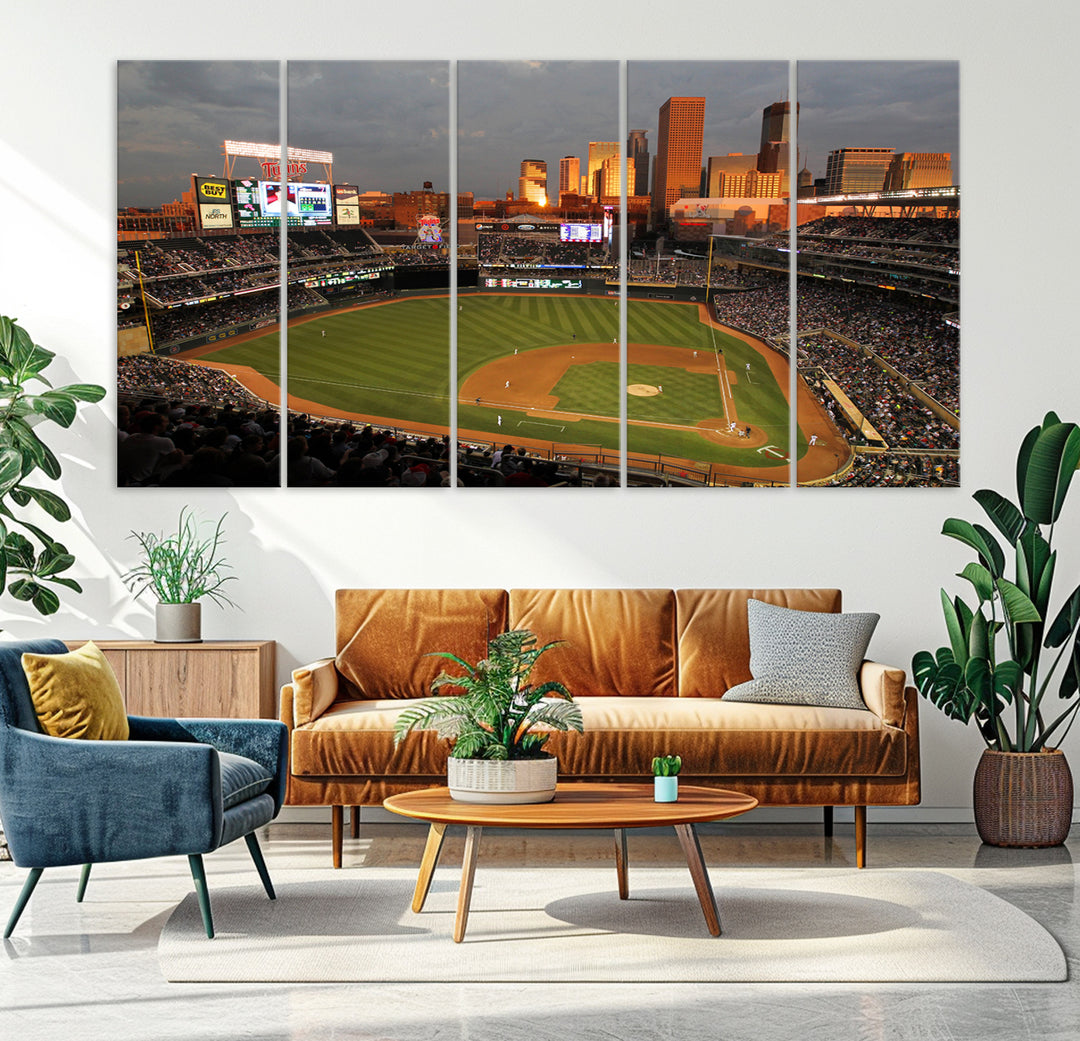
[392, 360]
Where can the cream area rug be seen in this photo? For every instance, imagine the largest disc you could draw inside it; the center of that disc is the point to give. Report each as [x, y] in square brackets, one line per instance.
[534, 925]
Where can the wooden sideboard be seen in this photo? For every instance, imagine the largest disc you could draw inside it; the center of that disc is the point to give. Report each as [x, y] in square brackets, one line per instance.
[217, 678]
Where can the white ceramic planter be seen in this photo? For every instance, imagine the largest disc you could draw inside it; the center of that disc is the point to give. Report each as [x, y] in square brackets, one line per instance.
[666, 789]
[502, 780]
[178, 623]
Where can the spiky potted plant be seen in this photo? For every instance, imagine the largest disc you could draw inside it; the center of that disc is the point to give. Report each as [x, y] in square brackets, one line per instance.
[497, 752]
[181, 569]
[1023, 792]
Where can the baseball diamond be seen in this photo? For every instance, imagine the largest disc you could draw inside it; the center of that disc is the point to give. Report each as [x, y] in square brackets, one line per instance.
[539, 370]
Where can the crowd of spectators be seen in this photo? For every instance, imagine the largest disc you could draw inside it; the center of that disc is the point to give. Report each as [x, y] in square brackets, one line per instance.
[504, 249]
[897, 469]
[150, 375]
[944, 230]
[170, 443]
[885, 401]
[917, 341]
[184, 323]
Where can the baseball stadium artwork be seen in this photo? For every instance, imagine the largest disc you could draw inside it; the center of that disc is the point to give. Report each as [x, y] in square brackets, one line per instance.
[584, 311]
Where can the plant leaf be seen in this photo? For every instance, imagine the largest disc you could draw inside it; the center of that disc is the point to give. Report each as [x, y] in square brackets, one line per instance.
[981, 579]
[1065, 621]
[1005, 516]
[50, 502]
[1017, 604]
[980, 540]
[1049, 469]
[956, 627]
[58, 407]
[89, 392]
[10, 469]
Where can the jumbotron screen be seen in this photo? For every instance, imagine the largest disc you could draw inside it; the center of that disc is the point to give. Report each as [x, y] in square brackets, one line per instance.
[258, 203]
[580, 233]
[306, 203]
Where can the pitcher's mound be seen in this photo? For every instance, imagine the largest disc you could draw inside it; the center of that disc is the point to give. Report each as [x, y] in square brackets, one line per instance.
[642, 390]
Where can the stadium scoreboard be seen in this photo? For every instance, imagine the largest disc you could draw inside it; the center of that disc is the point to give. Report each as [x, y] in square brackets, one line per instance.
[531, 283]
[258, 203]
[580, 233]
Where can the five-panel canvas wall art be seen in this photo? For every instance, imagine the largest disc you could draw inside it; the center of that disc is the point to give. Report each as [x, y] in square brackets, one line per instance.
[538, 274]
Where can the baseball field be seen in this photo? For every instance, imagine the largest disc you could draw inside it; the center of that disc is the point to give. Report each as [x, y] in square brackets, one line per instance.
[539, 369]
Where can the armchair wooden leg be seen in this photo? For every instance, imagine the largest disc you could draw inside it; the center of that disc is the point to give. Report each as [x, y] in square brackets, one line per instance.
[198, 873]
[24, 899]
[827, 814]
[83, 879]
[860, 836]
[337, 823]
[260, 864]
[354, 822]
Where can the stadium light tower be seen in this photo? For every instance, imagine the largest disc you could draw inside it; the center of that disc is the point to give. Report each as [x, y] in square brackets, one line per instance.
[269, 157]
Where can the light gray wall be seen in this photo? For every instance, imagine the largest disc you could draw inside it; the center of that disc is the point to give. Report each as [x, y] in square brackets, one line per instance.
[292, 549]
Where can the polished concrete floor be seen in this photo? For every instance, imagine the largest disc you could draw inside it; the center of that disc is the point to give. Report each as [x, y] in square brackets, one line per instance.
[89, 971]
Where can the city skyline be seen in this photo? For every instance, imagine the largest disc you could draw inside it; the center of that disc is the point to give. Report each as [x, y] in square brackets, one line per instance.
[387, 123]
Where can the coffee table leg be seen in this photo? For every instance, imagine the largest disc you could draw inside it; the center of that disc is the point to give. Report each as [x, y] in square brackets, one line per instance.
[436, 834]
[468, 869]
[621, 862]
[696, 862]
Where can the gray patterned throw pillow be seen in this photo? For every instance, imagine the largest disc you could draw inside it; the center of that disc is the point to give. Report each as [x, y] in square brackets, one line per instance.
[805, 657]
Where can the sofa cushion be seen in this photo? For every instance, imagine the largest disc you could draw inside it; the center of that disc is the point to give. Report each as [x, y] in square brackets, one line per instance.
[618, 641]
[622, 734]
[76, 694]
[241, 779]
[714, 633]
[805, 657]
[315, 689]
[383, 636]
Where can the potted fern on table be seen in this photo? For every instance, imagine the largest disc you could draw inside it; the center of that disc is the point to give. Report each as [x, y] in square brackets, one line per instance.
[497, 753]
[1021, 703]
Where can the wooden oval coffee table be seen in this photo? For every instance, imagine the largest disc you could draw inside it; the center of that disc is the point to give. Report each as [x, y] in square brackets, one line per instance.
[576, 805]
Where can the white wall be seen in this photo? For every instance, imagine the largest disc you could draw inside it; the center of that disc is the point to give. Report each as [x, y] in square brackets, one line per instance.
[293, 548]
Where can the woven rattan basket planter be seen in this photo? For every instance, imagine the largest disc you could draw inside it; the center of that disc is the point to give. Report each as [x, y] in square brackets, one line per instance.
[502, 780]
[1023, 798]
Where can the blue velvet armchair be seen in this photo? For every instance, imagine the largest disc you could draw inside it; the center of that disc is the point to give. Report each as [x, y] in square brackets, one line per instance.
[176, 787]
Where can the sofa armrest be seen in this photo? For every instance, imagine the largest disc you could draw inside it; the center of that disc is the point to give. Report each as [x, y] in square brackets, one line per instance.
[314, 690]
[882, 688]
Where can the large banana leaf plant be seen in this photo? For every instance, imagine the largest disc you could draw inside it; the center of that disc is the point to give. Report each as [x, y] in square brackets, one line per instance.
[31, 560]
[496, 716]
[1008, 696]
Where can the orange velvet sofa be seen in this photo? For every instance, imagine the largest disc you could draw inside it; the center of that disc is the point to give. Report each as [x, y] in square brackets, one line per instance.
[649, 668]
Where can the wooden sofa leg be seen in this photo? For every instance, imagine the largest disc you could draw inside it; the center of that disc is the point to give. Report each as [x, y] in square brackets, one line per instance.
[354, 822]
[827, 815]
[337, 825]
[860, 836]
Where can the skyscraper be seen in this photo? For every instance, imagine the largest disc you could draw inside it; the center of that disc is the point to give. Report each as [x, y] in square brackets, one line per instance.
[919, 170]
[598, 152]
[610, 179]
[774, 155]
[721, 167]
[637, 163]
[857, 170]
[532, 184]
[569, 174]
[679, 133]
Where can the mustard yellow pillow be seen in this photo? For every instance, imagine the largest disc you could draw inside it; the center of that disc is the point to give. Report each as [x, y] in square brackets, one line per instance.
[76, 694]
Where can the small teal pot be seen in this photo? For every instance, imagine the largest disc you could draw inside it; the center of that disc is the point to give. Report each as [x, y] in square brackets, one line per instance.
[665, 789]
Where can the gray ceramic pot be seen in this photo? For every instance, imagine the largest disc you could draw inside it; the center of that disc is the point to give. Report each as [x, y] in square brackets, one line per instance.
[178, 623]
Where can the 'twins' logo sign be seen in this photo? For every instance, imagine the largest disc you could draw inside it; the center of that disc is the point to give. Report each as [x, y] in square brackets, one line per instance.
[214, 190]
